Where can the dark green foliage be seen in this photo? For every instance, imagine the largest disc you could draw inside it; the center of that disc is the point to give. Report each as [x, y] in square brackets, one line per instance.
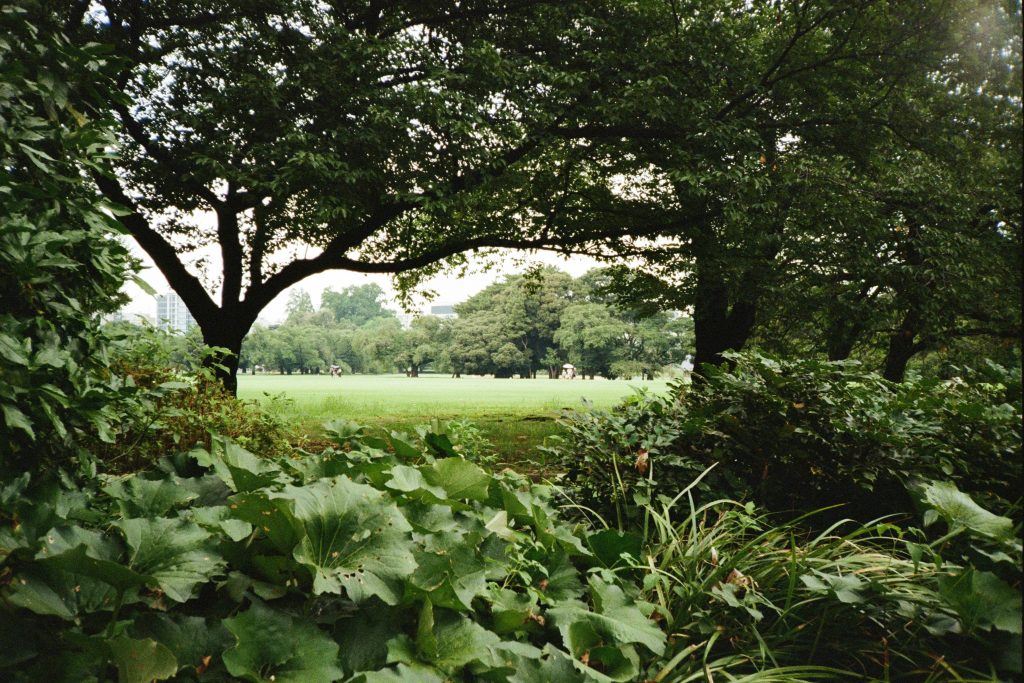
[61, 266]
[753, 593]
[350, 560]
[797, 435]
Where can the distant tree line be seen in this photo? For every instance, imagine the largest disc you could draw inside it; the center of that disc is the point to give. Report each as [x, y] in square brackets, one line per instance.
[526, 324]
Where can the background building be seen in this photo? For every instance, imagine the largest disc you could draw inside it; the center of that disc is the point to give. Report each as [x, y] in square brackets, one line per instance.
[443, 311]
[172, 315]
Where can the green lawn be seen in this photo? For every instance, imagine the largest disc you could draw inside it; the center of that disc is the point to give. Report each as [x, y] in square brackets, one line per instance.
[515, 414]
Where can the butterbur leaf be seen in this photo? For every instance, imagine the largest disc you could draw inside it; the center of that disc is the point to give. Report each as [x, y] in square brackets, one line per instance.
[554, 665]
[410, 480]
[189, 639]
[175, 555]
[459, 478]
[53, 591]
[272, 646]
[141, 661]
[562, 581]
[451, 573]
[961, 512]
[455, 641]
[268, 517]
[983, 601]
[138, 497]
[353, 538]
[403, 673]
[220, 519]
[241, 470]
[362, 637]
[609, 545]
[616, 619]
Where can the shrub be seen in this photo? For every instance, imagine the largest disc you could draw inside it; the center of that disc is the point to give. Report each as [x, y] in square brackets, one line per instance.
[744, 594]
[61, 267]
[372, 562]
[795, 435]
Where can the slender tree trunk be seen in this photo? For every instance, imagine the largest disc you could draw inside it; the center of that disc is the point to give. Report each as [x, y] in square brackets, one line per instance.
[902, 347]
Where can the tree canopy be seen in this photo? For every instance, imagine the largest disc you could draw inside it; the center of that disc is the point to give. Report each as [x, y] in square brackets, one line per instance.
[697, 136]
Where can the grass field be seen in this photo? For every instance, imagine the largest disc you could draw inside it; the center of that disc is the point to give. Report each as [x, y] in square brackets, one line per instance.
[515, 414]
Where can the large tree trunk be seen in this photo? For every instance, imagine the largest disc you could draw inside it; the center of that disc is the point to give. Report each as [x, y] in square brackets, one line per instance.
[842, 336]
[717, 326]
[225, 334]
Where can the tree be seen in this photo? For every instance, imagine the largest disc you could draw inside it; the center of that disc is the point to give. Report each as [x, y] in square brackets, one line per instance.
[923, 240]
[721, 161]
[420, 344]
[356, 305]
[379, 344]
[371, 133]
[300, 304]
[591, 338]
[528, 308]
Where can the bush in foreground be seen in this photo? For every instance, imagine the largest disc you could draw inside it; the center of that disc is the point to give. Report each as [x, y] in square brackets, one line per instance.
[797, 435]
[377, 561]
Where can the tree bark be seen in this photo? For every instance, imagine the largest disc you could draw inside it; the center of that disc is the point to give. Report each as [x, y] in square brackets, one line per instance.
[902, 347]
[226, 335]
[717, 326]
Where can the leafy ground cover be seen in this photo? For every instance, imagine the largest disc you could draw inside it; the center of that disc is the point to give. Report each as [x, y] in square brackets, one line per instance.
[394, 559]
[515, 415]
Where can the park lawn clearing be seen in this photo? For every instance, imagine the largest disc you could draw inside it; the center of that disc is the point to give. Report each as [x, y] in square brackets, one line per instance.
[516, 415]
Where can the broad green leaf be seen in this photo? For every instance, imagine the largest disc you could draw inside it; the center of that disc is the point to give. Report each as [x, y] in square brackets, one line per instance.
[138, 497]
[562, 581]
[609, 545]
[409, 480]
[50, 590]
[175, 554]
[403, 673]
[512, 611]
[241, 470]
[142, 661]
[554, 665]
[616, 619]
[363, 635]
[221, 518]
[961, 512]
[189, 639]
[459, 478]
[268, 517]
[846, 588]
[274, 647]
[455, 641]
[426, 640]
[983, 601]
[450, 571]
[351, 537]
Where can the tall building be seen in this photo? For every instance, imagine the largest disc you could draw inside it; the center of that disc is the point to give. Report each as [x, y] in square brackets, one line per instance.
[172, 315]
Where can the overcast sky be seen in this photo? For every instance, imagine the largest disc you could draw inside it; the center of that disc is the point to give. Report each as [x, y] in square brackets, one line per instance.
[449, 289]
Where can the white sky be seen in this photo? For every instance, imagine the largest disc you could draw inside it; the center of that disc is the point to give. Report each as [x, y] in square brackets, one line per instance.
[449, 289]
